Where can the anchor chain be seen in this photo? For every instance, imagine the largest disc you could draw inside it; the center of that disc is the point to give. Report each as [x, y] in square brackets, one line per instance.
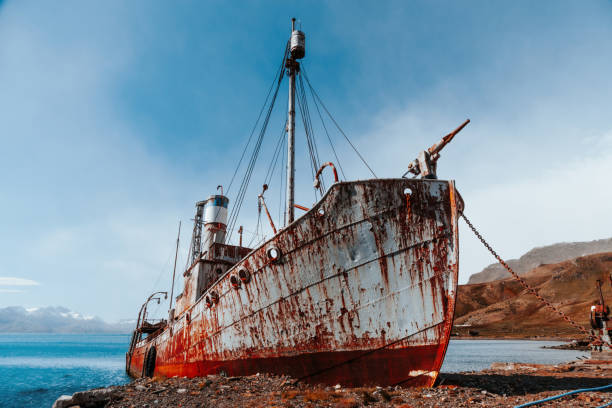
[529, 289]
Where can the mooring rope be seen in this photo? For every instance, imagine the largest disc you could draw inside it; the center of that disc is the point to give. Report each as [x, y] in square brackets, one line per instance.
[565, 394]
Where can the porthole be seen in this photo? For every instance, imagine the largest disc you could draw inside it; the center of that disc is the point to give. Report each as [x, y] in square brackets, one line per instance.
[321, 212]
[235, 282]
[209, 301]
[214, 296]
[219, 271]
[407, 191]
[274, 254]
[188, 317]
[244, 275]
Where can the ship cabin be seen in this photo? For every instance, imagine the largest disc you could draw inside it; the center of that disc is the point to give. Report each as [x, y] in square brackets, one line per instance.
[210, 256]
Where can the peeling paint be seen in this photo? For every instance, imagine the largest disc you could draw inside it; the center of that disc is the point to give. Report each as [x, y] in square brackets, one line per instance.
[362, 292]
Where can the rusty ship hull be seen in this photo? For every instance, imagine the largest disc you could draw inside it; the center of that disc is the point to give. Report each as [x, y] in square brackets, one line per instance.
[360, 291]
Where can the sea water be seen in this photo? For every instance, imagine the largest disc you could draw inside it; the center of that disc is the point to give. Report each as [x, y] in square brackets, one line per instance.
[476, 355]
[35, 369]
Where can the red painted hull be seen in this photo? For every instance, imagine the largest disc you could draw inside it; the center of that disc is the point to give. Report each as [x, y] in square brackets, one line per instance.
[365, 294]
[349, 368]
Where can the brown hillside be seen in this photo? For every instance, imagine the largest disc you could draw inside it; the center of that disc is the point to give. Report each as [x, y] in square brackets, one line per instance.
[503, 308]
[542, 255]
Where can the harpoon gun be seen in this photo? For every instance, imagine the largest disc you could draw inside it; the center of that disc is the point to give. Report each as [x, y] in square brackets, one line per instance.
[425, 163]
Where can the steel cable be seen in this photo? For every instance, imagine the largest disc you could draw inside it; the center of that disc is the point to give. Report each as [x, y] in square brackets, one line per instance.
[311, 142]
[336, 123]
[249, 171]
[327, 134]
[276, 75]
[526, 286]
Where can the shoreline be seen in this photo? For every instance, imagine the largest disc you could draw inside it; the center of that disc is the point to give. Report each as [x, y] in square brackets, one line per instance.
[501, 385]
[548, 338]
[552, 338]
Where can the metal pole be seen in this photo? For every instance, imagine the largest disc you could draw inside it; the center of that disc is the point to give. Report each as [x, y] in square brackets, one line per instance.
[290, 214]
[174, 272]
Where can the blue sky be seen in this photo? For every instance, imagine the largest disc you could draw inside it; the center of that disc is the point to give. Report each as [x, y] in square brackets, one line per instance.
[115, 117]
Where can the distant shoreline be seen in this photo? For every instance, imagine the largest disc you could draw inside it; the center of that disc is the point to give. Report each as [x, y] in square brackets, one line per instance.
[552, 338]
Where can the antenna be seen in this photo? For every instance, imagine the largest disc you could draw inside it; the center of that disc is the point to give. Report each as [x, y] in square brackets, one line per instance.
[174, 271]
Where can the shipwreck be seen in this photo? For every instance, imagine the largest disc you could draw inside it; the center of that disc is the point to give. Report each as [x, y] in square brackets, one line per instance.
[358, 289]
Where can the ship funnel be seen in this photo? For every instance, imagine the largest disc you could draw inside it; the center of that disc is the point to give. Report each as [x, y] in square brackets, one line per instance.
[215, 219]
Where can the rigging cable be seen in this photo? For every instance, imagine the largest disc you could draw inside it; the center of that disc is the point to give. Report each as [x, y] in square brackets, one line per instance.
[327, 134]
[256, 233]
[276, 75]
[311, 142]
[277, 151]
[249, 170]
[282, 204]
[336, 123]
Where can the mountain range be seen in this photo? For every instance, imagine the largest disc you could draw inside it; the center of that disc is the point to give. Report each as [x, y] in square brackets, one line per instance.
[503, 308]
[17, 319]
[542, 255]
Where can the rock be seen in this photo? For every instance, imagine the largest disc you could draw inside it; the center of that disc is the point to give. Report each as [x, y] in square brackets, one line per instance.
[181, 390]
[382, 393]
[140, 388]
[63, 401]
[94, 398]
[367, 398]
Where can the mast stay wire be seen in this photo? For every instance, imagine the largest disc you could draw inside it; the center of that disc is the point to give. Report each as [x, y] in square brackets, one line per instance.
[256, 233]
[276, 75]
[249, 170]
[276, 154]
[316, 95]
[305, 113]
[328, 137]
[310, 138]
[282, 204]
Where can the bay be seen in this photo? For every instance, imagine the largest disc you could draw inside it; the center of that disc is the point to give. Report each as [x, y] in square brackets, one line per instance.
[35, 369]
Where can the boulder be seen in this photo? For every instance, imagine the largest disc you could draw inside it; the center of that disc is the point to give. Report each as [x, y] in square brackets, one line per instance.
[94, 398]
[87, 399]
[63, 402]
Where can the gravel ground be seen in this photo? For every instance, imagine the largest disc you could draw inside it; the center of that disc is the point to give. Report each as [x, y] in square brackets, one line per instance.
[503, 385]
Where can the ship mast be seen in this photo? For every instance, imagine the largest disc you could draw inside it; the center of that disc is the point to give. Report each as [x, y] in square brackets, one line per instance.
[297, 51]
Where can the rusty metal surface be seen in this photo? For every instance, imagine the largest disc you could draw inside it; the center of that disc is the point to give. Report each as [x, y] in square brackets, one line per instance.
[363, 291]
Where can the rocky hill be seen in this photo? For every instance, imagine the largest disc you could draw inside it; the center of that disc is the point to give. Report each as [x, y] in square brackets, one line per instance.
[542, 255]
[503, 309]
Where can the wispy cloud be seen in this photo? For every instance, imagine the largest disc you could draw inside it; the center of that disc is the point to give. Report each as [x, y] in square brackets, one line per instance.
[2, 290]
[10, 281]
